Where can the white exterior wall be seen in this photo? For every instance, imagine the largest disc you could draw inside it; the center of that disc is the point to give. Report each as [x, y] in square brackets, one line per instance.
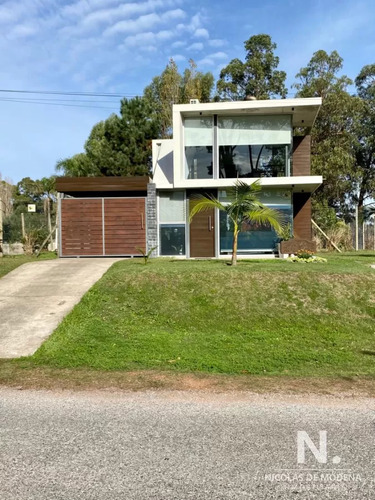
[162, 163]
[168, 154]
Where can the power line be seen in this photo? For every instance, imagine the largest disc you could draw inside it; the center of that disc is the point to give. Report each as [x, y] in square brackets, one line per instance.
[56, 92]
[56, 104]
[52, 99]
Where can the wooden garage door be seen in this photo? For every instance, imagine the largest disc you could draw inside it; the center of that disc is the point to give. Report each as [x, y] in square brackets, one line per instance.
[124, 226]
[81, 227]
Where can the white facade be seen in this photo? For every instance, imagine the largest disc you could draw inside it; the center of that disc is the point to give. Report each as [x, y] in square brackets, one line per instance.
[215, 144]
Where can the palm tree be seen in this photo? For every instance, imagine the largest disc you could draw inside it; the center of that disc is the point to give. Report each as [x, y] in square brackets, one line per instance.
[244, 207]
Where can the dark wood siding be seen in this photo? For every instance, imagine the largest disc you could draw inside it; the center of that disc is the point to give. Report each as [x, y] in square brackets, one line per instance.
[101, 184]
[81, 227]
[302, 216]
[124, 224]
[301, 155]
[202, 230]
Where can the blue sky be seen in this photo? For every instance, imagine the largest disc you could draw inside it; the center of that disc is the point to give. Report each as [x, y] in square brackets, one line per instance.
[114, 46]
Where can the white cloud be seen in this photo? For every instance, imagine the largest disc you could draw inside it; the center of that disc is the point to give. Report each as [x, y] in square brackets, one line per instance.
[211, 59]
[178, 57]
[218, 55]
[144, 22]
[143, 40]
[217, 42]
[201, 33]
[21, 31]
[178, 44]
[196, 46]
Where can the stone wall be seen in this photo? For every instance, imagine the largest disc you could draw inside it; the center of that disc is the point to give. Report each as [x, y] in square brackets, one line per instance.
[151, 218]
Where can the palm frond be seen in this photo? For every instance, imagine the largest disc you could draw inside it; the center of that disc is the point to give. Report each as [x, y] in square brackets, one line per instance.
[242, 190]
[266, 215]
[202, 203]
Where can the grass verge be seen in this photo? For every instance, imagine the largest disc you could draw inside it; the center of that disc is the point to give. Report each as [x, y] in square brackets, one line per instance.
[259, 318]
[8, 263]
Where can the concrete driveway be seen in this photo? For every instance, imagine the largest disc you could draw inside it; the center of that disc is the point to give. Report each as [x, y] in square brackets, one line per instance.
[35, 297]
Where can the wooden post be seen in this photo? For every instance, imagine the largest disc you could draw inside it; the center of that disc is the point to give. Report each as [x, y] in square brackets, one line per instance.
[324, 234]
[23, 225]
[356, 228]
[363, 236]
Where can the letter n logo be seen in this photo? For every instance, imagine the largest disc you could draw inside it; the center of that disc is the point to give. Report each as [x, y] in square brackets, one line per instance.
[303, 441]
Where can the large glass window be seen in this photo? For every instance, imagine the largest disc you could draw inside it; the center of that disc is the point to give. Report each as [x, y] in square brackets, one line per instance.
[172, 216]
[255, 237]
[198, 139]
[254, 146]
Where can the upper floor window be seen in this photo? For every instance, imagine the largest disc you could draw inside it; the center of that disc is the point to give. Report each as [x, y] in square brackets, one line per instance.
[198, 147]
[254, 146]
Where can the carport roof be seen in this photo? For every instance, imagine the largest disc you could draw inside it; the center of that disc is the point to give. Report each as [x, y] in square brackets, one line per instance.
[101, 184]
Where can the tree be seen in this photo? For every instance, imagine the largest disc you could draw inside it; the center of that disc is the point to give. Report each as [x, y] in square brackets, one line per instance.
[77, 166]
[162, 93]
[333, 134]
[257, 76]
[319, 78]
[195, 84]
[365, 144]
[118, 146]
[245, 207]
[173, 88]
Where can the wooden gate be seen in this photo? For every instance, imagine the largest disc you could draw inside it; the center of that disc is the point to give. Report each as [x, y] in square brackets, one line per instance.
[102, 226]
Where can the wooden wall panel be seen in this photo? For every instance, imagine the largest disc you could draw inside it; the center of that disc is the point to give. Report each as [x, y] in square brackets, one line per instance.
[302, 155]
[81, 227]
[101, 184]
[125, 226]
[302, 216]
[202, 231]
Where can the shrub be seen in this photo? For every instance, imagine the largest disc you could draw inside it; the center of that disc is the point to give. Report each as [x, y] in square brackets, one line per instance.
[305, 254]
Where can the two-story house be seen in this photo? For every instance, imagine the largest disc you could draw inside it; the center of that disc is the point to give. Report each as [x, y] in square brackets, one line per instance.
[215, 144]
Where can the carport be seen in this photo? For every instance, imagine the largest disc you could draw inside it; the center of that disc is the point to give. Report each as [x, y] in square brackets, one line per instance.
[102, 216]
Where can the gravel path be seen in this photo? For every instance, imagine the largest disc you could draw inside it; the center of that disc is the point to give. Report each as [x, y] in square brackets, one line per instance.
[181, 445]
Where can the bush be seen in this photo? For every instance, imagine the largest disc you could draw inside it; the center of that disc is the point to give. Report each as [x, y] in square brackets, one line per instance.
[305, 254]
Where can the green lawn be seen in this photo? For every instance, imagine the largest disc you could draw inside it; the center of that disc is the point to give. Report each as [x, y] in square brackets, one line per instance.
[261, 317]
[8, 263]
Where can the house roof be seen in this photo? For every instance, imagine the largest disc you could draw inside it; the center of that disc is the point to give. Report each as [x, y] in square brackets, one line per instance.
[101, 184]
[303, 111]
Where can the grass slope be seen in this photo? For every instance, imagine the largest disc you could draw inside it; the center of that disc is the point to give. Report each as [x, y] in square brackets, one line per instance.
[8, 263]
[262, 317]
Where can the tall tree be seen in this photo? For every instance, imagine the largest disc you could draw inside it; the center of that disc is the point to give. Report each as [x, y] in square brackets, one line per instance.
[77, 166]
[365, 144]
[195, 84]
[162, 93]
[333, 134]
[173, 88]
[118, 146]
[257, 76]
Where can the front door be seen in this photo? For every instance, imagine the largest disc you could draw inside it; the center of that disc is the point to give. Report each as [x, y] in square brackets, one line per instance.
[202, 232]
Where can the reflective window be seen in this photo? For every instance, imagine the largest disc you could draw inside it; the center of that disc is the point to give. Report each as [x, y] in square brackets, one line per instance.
[172, 239]
[253, 237]
[254, 146]
[172, 216]
[198, 139]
